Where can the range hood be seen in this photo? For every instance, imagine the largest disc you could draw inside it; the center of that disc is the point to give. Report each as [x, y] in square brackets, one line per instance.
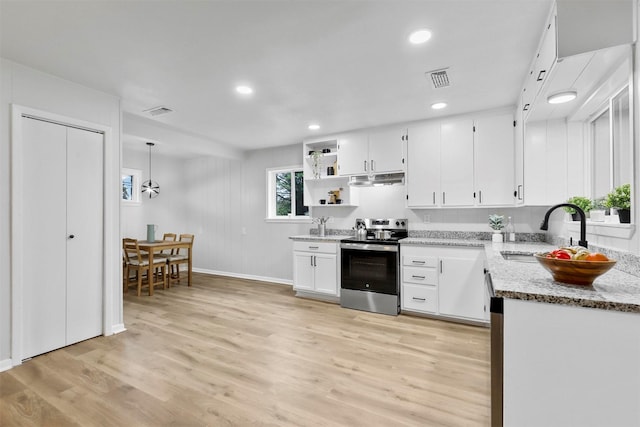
[376, 180]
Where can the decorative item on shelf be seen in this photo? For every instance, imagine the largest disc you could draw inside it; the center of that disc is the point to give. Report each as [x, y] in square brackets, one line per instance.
[620, 200]
[496, 222]
[334, 195]
[323, 201]
[597, 212]
[322, 224]
[331, 171]
[583, 203]
[326, 150]
[150, 187]
[316, 163]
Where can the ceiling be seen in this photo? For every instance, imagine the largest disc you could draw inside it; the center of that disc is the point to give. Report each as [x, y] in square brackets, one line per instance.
[342, 64]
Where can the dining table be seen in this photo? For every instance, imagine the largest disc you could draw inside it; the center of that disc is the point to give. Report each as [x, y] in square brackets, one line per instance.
[161, 245]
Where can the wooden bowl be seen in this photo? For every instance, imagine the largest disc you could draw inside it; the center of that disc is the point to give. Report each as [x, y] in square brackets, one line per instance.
[574, 272]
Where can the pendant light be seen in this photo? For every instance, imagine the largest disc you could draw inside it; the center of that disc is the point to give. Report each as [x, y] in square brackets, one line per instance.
[150, 187]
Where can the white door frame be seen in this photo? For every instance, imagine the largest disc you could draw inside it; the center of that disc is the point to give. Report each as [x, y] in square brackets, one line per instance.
[111, 204]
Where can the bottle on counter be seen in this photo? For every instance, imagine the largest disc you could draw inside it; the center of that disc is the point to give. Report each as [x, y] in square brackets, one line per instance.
[510, 231]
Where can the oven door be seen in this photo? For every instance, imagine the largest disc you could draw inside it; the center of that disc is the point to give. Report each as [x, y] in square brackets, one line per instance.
[370, 267]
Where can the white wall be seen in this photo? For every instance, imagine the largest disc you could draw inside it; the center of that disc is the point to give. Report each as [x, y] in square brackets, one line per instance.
[31, 88]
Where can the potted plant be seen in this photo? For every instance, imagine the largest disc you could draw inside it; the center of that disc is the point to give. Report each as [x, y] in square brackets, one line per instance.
[620, 200]
[597, 211]
[581, 202]
[496, 222]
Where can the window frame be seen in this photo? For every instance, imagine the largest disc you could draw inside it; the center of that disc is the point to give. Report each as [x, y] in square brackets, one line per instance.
[136, 182]
[271, 196]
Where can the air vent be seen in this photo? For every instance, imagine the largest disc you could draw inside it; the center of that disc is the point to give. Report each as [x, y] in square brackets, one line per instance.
[158, 111]
[439, 78]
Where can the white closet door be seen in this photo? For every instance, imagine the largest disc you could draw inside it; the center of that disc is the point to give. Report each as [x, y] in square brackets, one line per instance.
[44, 236]
[84, 223]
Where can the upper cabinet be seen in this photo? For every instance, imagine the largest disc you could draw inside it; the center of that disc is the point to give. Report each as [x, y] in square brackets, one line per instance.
[461, 162]
[378, 150]
[494, 160]
[573, 48]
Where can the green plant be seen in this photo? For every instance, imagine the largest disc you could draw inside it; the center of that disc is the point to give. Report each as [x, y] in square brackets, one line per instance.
[598, 204]
[496, 222]
[619, 198]
[581, 202]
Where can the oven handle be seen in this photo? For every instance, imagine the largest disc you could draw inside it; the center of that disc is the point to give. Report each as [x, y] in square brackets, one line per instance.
[369, 247]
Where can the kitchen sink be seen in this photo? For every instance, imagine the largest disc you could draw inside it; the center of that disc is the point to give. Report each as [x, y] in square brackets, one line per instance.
[518, 257]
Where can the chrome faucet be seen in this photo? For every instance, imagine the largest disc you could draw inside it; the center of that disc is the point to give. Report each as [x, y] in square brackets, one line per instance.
[583, 221]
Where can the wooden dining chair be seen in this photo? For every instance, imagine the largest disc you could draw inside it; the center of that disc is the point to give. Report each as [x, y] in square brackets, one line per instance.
[135, 261]
[181, 256]
[166, 253]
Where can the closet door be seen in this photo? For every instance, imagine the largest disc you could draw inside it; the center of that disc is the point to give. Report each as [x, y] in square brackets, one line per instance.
[84, 223]
[44, 230]
[62, 244]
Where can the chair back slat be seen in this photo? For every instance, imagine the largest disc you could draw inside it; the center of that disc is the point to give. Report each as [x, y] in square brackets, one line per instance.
[131, 250]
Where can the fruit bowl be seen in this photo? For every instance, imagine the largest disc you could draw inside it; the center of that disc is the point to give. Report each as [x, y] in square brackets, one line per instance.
[574, 272]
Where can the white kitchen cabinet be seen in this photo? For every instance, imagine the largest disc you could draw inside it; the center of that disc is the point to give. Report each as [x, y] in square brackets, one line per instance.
[547, 54]
[377, 151]
[456, 162]
[62, 236]
[570, 366]
[545, 162]
[315, 267]
[494, 160]
[316, 189]
[423, 165]
[519, 157]
[444, 281]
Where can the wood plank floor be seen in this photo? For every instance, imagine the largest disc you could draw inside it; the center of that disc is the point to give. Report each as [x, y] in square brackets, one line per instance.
[232, 352]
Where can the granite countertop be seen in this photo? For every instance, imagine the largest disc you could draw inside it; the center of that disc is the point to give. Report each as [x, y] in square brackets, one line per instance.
[316, 238]
[614, 290]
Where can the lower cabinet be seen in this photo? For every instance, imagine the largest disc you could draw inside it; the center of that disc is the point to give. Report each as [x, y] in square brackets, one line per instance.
[316, 267]
[444, 281]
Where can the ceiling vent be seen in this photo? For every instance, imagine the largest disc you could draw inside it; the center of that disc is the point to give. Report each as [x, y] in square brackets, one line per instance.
[158, 111]
[439, 78]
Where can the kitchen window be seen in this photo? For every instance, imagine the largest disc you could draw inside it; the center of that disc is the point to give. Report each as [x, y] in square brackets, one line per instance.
[131, 182]
[285, 195]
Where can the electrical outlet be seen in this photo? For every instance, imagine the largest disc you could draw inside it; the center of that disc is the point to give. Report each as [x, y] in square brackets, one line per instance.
[426, 219]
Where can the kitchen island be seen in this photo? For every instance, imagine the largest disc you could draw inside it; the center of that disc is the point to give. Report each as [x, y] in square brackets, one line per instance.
[570, 353]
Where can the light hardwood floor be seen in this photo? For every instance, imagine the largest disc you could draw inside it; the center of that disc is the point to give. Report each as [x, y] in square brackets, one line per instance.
[232, 352]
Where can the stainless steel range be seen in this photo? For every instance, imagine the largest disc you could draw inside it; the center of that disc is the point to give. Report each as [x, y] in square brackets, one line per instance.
[371, 266]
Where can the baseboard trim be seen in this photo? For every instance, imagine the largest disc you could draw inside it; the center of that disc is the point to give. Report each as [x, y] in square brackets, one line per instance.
[116, 329]
[5, 365]
[274, 280]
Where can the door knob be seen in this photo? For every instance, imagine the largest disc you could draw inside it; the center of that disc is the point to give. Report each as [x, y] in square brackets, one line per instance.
[71, 236]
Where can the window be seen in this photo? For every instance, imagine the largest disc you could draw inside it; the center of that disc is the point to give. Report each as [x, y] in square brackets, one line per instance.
[611, 149]
[131, 186]
[285, 194]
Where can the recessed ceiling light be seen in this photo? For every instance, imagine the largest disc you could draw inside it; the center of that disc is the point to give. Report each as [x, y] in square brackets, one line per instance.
[419, 36]
[438, 105]
[244, 90]
[562, 97]
[314, 126]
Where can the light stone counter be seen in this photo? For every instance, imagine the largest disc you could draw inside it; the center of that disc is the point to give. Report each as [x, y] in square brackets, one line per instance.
[316, 238]
[614, 290]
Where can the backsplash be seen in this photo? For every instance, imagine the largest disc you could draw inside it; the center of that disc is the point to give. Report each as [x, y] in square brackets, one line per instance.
[438, 234]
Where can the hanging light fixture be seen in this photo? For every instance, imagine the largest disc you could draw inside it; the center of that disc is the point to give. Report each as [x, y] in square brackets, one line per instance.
[150, 187]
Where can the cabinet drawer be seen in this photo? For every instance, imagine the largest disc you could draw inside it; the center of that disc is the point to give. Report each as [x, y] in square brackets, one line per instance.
[420, 276]
[419, 261]
[419, 298]
[312, 246]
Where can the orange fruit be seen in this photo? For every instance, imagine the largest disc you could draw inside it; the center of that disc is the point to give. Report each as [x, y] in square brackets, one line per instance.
[596, 256]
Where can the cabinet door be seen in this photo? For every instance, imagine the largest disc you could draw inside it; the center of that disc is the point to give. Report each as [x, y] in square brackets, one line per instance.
[303, 271]
[326, 276]
[423, 165]
[545, 160]
[461, 287]
[519, 157]
[385, 150]
[456, 163]
[494, 162]
[547, 54]
[353, 154]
